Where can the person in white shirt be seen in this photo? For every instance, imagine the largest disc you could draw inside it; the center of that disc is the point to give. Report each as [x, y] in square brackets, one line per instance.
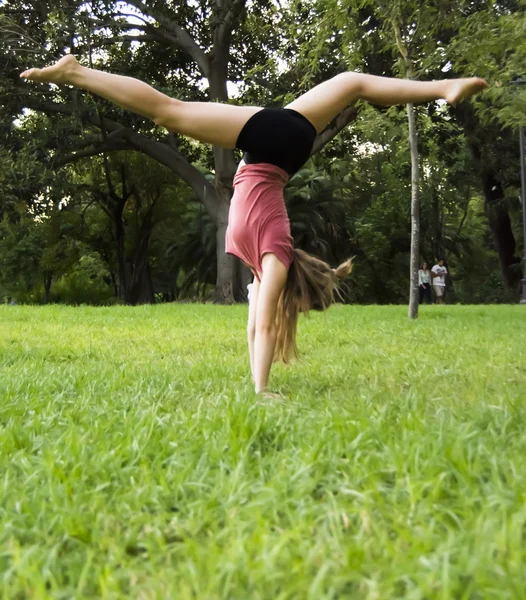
[439, 273]
[424, 283]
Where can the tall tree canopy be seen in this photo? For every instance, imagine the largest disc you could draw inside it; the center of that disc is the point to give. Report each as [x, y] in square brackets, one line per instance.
[119, 184]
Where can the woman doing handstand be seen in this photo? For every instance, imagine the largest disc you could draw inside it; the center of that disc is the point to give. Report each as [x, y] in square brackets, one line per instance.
[276, 143]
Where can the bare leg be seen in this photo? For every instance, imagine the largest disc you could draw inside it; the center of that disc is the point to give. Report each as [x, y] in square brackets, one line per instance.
[214, 123]
[272, 284]
[321, 104]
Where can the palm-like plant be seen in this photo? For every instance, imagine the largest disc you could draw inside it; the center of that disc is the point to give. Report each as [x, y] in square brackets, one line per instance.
[317, 214]
[194, 254]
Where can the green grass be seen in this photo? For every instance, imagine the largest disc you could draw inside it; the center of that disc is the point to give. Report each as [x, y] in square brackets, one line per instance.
[136, 462]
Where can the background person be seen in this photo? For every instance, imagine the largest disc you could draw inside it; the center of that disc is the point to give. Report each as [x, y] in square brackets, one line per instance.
[424, 284]
[439, 273]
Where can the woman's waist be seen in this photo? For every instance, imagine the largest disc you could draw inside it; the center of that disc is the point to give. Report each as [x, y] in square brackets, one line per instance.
[261, 174]
[258, 203]
[254, 221]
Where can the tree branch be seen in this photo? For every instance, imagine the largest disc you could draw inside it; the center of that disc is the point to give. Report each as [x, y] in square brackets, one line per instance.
[342, 120]
[88, 115]
[151, 33]
[145, 37]
[122, 138]
[466, 210]
[95, 150]
[402, 48]
[228, 21]
[124, 24]
[418, 22]
[179, 35]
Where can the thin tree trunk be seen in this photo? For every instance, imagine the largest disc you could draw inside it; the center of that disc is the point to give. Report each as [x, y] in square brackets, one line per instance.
[226, 267]
[225, 168]
[415, 213]
[500, 225]
[140, 284]
[48, 279]
[437, 227]
[114, 282]
[415, 198]
[121, 254]
[140, 288]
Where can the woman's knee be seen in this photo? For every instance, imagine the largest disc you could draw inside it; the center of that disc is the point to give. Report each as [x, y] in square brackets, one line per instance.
[354, 82]
[169, 114]
[265, 328]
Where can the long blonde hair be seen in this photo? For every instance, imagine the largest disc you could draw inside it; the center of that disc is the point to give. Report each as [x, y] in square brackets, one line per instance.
[310, 285]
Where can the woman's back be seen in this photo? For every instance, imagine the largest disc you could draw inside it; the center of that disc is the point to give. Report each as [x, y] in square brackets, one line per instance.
[258, 222]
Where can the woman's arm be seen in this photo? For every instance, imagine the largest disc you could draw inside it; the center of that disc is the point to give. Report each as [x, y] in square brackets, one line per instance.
[272, 284]
[251, 327]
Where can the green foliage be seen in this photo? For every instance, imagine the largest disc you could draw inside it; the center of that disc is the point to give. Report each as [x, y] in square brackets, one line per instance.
[317, 213]
[353, 199]
[34, 251]
[21, 249]
[192, 254]
[492, 43]
[137, 461]
[87, 282]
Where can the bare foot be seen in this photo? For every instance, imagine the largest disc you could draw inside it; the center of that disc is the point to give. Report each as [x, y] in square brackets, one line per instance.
[458, 89]
[60, 72]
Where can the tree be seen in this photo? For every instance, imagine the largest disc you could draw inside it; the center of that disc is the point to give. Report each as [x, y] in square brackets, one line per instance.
[405, 45]
[35, 253]
[352, 199]
[135, 194]
[491, 43]
[35, 242]
[411, 33]
[224, 40]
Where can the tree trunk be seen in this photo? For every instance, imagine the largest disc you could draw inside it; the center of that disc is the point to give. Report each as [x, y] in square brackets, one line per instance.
[500, 224]
[226, 266]
[483, 147]
[225, 167]
[121, 254]
[415, 199]
[48, 279]
[114, 281]
[437, 227]
[415, 213]
[140, 286]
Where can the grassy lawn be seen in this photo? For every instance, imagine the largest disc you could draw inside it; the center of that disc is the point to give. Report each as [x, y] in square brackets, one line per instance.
[136, 462]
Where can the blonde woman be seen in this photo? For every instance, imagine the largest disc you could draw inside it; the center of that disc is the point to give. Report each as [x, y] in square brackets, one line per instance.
[276, 143]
